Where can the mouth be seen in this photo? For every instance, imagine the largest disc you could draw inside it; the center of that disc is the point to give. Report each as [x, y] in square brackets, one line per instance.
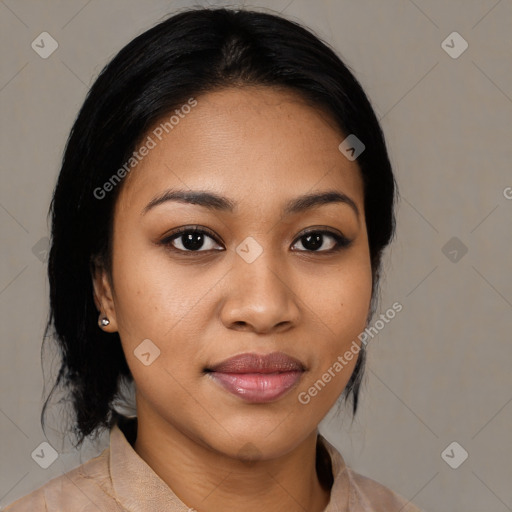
[258, 378]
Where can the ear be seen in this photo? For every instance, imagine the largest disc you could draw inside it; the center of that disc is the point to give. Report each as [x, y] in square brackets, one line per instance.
[103, 296]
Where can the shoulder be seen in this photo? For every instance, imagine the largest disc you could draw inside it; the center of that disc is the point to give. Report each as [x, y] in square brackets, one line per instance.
[85, 488]
[357, 493]
[370, 495]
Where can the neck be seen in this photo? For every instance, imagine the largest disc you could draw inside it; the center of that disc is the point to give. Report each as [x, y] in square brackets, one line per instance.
[209, 481]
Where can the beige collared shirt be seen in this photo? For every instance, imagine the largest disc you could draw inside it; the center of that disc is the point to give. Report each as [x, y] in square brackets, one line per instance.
[119, 480]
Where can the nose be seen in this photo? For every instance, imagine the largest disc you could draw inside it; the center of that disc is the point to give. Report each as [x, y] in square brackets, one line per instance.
[259, 297]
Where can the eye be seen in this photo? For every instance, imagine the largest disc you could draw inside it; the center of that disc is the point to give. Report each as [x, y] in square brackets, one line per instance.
[322, 241]
[191, 240]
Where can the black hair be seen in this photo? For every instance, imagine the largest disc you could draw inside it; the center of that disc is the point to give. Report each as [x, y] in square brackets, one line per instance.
[188, 54]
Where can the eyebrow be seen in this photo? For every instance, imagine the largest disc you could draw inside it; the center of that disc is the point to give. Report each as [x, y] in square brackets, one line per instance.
[216, 202]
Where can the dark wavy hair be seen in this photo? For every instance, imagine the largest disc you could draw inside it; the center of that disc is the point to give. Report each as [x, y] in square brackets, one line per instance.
[188, 54]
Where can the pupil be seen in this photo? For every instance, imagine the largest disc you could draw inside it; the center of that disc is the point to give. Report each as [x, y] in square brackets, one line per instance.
[193, 241]
[313, 242]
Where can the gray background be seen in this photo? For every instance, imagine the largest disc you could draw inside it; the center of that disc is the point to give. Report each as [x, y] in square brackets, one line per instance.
[440, 370]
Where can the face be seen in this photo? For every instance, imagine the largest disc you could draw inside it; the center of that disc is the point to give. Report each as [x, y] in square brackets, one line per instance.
[263, 274]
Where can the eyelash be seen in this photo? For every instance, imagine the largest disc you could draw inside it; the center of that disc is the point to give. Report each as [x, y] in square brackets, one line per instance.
[341, 242]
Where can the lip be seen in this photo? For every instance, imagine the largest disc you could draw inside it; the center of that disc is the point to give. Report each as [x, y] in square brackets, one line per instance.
[258, 378]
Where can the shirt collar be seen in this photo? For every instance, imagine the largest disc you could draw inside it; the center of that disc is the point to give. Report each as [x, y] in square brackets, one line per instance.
[136, 485]
[340, 491]
[139, 488]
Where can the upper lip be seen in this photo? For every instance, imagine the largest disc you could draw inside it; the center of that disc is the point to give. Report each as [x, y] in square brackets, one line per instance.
[258, 363]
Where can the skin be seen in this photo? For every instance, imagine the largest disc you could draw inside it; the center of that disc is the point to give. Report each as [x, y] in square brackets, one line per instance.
[260, 147]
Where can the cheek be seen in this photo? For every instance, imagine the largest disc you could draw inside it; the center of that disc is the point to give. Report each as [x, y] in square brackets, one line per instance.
[341, 306]
[155, 301]
[341, 300]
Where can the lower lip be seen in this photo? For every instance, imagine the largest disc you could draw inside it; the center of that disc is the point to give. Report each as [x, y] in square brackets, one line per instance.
[257, 387]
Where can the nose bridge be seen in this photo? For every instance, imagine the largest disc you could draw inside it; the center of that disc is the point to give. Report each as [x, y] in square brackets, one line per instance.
[261, 278]
[258, 296]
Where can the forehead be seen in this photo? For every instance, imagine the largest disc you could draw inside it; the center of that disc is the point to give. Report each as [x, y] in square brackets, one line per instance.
[255, 144]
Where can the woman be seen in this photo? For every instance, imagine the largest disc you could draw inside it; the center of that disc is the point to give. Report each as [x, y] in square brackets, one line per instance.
[217, 230]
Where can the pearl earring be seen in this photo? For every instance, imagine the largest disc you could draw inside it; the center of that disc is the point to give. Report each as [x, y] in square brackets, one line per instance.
[103, 322]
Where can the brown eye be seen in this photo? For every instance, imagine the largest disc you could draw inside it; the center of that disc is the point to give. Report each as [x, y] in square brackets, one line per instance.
[322, 241]
[191, 240]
